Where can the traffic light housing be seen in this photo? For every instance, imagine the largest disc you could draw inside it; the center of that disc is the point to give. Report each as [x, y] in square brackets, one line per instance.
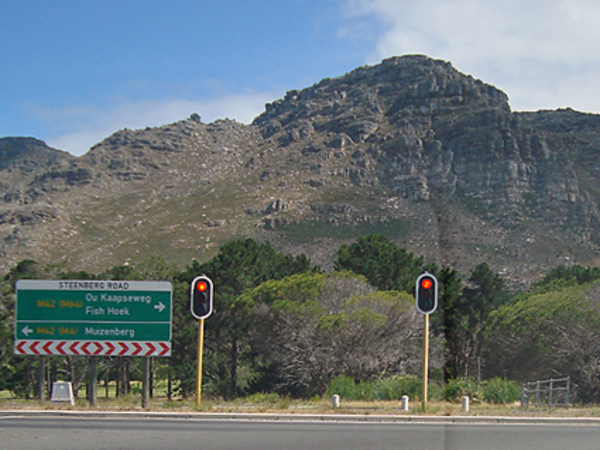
[426, 293]
[201, 297]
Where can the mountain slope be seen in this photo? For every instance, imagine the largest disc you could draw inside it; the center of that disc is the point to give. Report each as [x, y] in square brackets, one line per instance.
[410, 147]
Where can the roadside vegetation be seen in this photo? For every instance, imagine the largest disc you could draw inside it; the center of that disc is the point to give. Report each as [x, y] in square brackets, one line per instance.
[286, 335]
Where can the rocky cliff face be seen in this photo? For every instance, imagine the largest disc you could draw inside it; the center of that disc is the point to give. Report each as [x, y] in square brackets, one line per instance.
[420, 128]
[411, 148]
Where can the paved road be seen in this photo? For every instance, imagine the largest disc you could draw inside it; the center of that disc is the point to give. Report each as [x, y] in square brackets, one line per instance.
[72, 433]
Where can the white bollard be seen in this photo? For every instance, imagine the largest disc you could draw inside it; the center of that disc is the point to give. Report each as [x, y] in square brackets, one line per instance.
[405, 403]
[465, 404]
[62, 392]
[336, 401]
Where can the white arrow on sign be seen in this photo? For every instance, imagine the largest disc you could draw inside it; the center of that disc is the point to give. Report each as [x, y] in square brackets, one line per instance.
[160, 307]
[26, 330]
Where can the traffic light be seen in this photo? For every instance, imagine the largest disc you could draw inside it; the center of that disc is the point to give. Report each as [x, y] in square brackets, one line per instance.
[426, 293]
[201, 297]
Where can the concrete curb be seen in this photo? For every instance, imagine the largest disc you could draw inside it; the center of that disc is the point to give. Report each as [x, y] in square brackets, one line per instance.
[274, 417]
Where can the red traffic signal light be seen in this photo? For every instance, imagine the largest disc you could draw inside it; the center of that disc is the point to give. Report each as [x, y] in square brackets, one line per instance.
[426, 295]
[201, 297]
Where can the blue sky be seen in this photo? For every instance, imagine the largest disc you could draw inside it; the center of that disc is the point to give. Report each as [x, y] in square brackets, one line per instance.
[74, 71]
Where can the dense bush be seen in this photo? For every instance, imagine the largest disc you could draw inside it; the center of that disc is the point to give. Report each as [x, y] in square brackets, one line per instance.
[317, 327]
[496, 390]
[262, 397]
[393, 388]
[343, 386]
[501, 391]
[458, 388]
[553, 333]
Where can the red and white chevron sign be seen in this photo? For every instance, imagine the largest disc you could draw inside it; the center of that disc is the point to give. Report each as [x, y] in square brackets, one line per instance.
[92, 348]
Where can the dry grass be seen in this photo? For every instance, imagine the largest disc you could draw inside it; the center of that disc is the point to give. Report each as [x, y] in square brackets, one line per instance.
[290, 406]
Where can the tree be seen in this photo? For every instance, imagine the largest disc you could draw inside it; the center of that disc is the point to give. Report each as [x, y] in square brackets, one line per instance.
[448, 320]
[153, 268]
[117, 273]
[238, 266]
[7, 368]
[550, 335]
[315, 327]
[388, 267]
[182, 363]
[385, 265]
[485, 292]
[18, 372]
[563, 276]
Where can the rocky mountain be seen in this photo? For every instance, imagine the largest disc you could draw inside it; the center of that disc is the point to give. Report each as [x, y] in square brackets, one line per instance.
[410, 148]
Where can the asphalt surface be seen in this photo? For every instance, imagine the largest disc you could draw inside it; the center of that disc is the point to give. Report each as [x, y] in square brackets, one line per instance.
[94, 431]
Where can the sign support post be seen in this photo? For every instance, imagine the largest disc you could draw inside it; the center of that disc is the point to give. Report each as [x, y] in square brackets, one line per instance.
[145, 382]
[200, 352]
[42, 379]
[93, 380]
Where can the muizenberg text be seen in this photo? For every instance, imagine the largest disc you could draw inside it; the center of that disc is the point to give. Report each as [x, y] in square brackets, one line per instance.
[117, 332]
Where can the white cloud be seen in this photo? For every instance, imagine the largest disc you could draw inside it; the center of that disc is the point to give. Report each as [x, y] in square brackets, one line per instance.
[543, 54]
[80, 127]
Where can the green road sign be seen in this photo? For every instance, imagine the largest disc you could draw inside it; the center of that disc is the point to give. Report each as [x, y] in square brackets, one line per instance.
[93, 310]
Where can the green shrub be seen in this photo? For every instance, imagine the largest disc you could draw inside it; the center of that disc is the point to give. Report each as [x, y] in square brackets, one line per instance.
[392, 388]
[384, 389]
[435, 391]
[458, 388]
[501, 391]
[364, 391]
[395, 387]
[343, 386]
[263, 398]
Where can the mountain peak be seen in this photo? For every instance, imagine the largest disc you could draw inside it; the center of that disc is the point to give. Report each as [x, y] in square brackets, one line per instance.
[398, 87]
[29, 150]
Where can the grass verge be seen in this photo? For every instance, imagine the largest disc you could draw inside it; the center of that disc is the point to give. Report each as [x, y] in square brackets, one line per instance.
[274, 404]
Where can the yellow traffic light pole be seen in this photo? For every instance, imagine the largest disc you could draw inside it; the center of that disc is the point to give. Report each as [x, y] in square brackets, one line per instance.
[200, 352]
[425, 359]
[426, 299]
[201, 298]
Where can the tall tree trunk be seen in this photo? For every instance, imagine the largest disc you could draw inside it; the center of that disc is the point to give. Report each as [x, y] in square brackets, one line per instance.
[53, 377]
[151, 380]
[124, 380]
[106, 382]
[127, 375]
[170, 384]
[118, 378]
[234, 365]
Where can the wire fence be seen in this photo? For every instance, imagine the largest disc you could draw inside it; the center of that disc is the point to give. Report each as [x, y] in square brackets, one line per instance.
[552, 392]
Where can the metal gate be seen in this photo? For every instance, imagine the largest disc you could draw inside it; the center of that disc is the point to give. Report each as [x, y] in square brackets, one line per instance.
[552, 392]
